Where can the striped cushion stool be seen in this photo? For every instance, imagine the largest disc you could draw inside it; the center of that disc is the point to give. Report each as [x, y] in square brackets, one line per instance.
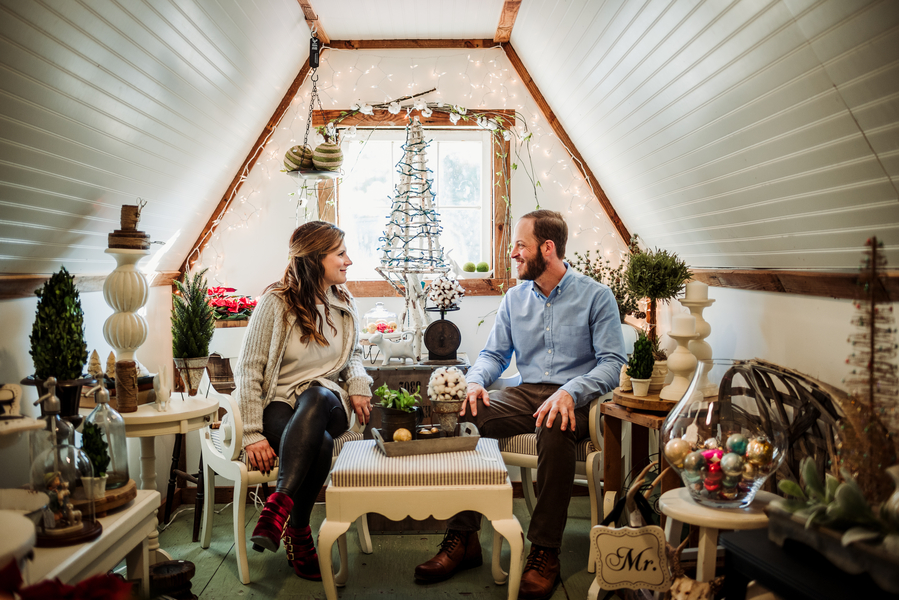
[363, 480]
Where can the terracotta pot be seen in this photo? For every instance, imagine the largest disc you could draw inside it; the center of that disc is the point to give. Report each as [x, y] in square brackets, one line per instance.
[191, 372]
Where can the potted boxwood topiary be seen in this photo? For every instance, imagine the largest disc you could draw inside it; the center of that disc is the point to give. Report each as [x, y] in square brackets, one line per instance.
[58, 348]
[96, 448]
[639, 367]
[398, 411]
[657, 276]
[192, 329]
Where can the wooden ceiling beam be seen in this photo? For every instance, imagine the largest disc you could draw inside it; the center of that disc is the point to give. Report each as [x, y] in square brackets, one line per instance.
[407, 44]
[560, 132]
[313, 22]
[382, 118]
[507, 21]
[246, 166]
[806, 283]
[24, 285]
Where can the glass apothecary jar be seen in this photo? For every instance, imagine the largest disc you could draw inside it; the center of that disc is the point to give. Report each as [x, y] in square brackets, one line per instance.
[379, 319]
[726, 444]
[112, 427]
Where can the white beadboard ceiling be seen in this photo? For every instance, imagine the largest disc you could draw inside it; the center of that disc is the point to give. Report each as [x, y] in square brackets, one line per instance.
[738, 134]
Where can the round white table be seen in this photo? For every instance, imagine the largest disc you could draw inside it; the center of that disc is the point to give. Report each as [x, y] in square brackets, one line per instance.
[680, 508]
[183, 414]
[18, 537]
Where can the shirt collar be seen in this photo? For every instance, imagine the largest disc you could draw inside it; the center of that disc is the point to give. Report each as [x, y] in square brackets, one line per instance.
[564, 283]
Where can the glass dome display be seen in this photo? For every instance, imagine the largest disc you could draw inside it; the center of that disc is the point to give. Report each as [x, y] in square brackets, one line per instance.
[112, 426]
[59, 472]
[379, 319]
[724, 445]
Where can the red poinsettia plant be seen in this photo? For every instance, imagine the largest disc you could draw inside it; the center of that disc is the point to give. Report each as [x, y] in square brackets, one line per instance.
[229, 307]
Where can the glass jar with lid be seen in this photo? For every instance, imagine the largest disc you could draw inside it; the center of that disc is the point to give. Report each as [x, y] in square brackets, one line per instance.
[379, 319]
[112, 428]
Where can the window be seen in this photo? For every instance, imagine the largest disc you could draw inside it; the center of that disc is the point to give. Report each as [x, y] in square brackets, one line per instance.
[461, 165]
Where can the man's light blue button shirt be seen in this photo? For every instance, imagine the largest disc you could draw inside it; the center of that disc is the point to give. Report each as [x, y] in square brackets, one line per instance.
[571, 338]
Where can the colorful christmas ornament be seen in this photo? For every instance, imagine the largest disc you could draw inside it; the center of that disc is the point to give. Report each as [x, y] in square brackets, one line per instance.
[710, 443]
[732, 464]
[760, 451]
[736, 443]
[676, 450]
[694, 463]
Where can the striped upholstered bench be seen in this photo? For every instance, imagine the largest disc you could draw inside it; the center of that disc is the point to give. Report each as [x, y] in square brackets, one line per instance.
[364, 480]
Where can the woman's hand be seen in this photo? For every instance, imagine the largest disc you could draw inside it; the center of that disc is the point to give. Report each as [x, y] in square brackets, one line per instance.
[261, 456]
[362, 408]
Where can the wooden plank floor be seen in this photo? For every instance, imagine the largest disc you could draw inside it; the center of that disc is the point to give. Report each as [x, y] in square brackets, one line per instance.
[387, 573]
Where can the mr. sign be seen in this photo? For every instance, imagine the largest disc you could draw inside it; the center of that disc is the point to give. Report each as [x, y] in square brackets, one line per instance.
[632, 558]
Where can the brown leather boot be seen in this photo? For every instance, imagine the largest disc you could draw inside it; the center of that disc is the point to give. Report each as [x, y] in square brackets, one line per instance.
[540, 574]
[459, 550]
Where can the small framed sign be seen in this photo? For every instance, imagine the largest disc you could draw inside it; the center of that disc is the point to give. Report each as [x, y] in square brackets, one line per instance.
[632, 558]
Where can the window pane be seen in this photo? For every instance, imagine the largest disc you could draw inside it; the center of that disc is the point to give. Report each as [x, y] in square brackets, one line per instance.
[459, 174]
[365, 203]
[461, 237]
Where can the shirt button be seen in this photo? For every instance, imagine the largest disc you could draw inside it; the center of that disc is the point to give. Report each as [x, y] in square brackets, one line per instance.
[549, 303]
[549, 351]
[546, 373]
[547, 328]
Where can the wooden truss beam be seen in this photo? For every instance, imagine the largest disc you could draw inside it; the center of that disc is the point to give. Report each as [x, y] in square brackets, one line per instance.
[507, 21]
[408, 44]
[24, 285]
[313, 22]
[560, 132]
[805, 283]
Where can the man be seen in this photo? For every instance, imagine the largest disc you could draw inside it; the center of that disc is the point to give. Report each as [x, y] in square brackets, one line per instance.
[565, 332]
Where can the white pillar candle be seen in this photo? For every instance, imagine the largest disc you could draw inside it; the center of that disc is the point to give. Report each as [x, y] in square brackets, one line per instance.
[683, 325]
[697, 290]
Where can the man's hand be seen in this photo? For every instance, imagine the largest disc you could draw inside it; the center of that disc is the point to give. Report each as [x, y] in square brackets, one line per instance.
[475, 391]
[560, 404]
[261, 456]
[362, 408]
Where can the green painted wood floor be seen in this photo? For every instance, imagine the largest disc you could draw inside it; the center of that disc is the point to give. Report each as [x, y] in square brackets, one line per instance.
[385, 574]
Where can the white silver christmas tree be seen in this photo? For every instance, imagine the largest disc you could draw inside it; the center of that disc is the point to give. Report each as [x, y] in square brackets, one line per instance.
[411, 242]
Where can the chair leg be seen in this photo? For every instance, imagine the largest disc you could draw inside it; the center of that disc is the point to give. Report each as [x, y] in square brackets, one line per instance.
[240, 529]
[199, 502]
[527, 487]
[208, 505]
[594, 484]
[364, 535]
[170, 491]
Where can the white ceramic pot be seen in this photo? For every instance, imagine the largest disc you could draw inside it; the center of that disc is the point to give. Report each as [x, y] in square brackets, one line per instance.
[641, 386]
[659, 373]
[94, 487]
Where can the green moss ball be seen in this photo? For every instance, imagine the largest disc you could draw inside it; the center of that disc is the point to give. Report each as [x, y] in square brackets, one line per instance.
[483, 267]
[468, 267]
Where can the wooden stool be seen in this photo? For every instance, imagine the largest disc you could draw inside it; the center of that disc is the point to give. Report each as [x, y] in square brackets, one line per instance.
[363, 480]
[680, 508]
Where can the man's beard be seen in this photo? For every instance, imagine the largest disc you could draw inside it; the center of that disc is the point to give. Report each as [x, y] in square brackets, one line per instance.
[533, 268]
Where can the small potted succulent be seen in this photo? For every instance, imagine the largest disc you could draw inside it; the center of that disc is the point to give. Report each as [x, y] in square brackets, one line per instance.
[639, 367]
[399, 410]
[192, 328]
[97, 451]
[58, 348]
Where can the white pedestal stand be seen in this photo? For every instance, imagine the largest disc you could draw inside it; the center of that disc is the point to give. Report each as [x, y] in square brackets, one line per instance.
[126, 291]
[681, 363]
[699, 347]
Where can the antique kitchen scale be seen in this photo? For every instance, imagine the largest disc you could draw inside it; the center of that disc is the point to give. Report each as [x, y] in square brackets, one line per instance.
[442, 338]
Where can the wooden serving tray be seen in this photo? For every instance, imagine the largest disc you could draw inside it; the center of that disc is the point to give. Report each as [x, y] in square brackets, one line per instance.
[111, 499]
[650, 402]
[466, 440]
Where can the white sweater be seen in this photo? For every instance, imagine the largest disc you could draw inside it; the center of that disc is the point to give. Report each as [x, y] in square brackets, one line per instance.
[255, 375]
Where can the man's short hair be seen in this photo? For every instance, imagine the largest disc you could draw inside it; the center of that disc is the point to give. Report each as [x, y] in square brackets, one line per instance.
[549, 225]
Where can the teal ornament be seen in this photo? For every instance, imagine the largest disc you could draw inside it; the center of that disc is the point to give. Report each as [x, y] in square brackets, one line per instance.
[732, 464]
[737, 443]
[693, 466]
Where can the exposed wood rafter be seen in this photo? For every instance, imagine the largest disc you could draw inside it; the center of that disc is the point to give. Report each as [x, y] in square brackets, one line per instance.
[408, 44]
[313, 22]
[382, 118]
[557, 128]
[507, 21]
[246, 166]
[806, 283]
[23, 286]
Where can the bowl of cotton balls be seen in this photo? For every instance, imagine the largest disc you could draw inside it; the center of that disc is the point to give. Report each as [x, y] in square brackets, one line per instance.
[446, 390]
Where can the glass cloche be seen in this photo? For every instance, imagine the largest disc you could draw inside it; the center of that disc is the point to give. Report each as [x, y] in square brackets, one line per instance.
[59, 472]
[379, 319]
[112, 426]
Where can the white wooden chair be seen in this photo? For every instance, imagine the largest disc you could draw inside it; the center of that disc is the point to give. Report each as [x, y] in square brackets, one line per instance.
[521, 451]
[223, 456]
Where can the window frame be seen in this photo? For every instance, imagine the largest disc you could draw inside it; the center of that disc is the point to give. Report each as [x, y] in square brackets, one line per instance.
[499, 201]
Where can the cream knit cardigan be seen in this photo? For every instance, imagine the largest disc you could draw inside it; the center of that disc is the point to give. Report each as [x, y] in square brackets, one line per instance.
[255, 375]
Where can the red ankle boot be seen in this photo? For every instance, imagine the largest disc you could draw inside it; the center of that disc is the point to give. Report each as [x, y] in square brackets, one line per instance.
[272, 520]
[301, 553]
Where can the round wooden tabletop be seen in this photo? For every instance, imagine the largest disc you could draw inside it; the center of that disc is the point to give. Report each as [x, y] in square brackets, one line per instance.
[650, 402]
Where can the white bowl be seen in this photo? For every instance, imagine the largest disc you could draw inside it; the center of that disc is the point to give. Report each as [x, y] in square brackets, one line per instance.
[476, 275]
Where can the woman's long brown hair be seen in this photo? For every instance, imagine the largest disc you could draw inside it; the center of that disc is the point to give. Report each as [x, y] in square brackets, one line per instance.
[302, 286]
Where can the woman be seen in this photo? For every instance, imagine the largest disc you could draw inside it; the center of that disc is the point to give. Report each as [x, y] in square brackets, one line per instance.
[301, 339]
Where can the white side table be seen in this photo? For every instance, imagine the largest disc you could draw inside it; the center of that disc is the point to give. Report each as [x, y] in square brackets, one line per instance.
[680, 508]
[181, 416]
[125, 535]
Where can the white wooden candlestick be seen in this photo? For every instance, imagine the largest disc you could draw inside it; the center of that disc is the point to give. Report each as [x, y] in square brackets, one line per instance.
[699, 347]
[681, 363]
[125, 291]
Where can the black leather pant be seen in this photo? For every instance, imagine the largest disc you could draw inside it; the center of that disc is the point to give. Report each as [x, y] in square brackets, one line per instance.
[304, 437]
[511, 413]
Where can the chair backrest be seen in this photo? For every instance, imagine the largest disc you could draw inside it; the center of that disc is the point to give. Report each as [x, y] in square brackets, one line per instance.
[231, 425]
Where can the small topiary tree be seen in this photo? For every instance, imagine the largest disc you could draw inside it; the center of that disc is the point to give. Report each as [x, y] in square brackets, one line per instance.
[640, 364]
[658, 276]
[95, 447]
[58, 348]
[192, 320]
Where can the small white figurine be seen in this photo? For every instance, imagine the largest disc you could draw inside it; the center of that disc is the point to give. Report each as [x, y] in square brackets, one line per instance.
[162, 388]
[401, 349]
